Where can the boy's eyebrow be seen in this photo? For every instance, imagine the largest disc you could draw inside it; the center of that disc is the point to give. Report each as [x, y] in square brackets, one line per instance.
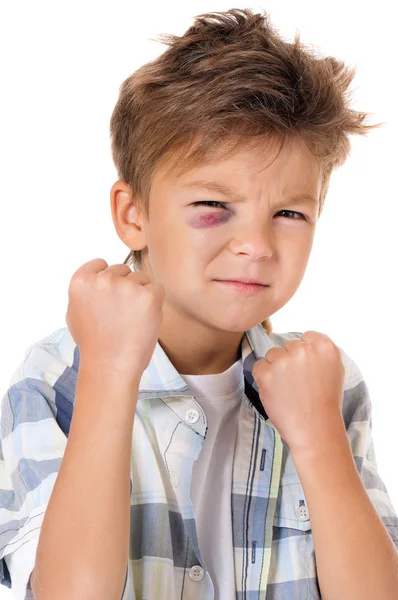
[216, 186]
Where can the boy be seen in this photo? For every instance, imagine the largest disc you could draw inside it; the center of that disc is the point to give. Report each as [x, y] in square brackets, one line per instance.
[196, 461]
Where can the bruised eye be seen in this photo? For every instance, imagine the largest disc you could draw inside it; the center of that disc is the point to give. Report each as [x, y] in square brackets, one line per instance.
[207, 202]
[212, 202]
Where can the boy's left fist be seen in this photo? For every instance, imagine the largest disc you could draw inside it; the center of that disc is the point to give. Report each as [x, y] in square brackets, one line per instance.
[301, 386]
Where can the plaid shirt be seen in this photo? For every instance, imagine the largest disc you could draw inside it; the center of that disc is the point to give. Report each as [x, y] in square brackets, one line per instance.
[274, 555]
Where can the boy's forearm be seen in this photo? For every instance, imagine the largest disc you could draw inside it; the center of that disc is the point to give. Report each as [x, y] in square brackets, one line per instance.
[84, 540]
[356, 558]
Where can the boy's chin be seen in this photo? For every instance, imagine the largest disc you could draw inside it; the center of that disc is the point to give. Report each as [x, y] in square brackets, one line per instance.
[237, 325]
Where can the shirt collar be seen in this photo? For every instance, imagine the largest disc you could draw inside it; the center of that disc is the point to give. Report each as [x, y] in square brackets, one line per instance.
[161, 377]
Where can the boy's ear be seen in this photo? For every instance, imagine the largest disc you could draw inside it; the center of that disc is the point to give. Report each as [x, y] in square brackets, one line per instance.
[126, 216]
[132, 214]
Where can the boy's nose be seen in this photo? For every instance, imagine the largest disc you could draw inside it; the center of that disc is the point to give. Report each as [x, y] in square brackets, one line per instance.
[253, 240]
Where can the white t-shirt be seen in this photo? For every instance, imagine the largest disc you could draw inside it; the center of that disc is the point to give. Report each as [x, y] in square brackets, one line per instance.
[220, 397]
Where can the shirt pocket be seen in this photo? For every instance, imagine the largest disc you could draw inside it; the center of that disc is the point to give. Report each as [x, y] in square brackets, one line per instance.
[293, 572]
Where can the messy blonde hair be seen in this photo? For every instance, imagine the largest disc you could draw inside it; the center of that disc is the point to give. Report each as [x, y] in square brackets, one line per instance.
[228, 80]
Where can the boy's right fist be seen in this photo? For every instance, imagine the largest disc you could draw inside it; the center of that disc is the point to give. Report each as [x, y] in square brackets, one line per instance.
[114, 315]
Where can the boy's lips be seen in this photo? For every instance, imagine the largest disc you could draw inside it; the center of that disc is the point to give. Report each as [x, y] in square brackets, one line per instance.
[248, 281]
[248, 289]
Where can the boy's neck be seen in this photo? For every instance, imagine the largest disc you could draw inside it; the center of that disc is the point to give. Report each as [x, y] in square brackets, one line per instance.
[196, 359]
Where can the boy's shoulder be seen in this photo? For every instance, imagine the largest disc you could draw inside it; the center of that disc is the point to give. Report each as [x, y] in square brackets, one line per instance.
[59, 349]
[47, 358]
[53, 362]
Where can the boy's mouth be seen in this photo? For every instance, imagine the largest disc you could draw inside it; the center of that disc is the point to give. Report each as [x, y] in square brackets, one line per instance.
[240, 286]
[243, 280]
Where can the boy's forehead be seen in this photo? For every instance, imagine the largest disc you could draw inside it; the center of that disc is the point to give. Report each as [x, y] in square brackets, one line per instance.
[186, 163]
[249, 163]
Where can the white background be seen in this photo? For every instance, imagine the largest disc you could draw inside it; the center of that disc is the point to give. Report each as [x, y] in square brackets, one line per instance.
[62, 65]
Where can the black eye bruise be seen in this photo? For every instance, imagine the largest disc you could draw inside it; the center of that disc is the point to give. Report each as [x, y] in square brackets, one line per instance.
[209, 202]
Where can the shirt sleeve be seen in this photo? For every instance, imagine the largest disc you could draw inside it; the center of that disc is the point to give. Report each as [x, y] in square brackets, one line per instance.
[32, 444]
[20, 565]
[357, 412]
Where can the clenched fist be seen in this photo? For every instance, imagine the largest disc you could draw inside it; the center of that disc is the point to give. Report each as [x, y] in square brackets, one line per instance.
[301, 386]
[114, 315]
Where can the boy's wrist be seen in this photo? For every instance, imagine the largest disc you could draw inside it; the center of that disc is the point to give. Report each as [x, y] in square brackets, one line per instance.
[110, 370]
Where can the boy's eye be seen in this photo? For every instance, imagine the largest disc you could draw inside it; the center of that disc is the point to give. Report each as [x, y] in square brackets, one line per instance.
[207, 202]
[293, 212]
[212, 202]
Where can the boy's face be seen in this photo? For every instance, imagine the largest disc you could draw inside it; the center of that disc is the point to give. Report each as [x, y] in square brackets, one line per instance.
[189, 248]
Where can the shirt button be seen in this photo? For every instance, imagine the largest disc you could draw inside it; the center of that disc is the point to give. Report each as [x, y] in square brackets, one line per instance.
[196, 573]
[191, 416]
[302, 513]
